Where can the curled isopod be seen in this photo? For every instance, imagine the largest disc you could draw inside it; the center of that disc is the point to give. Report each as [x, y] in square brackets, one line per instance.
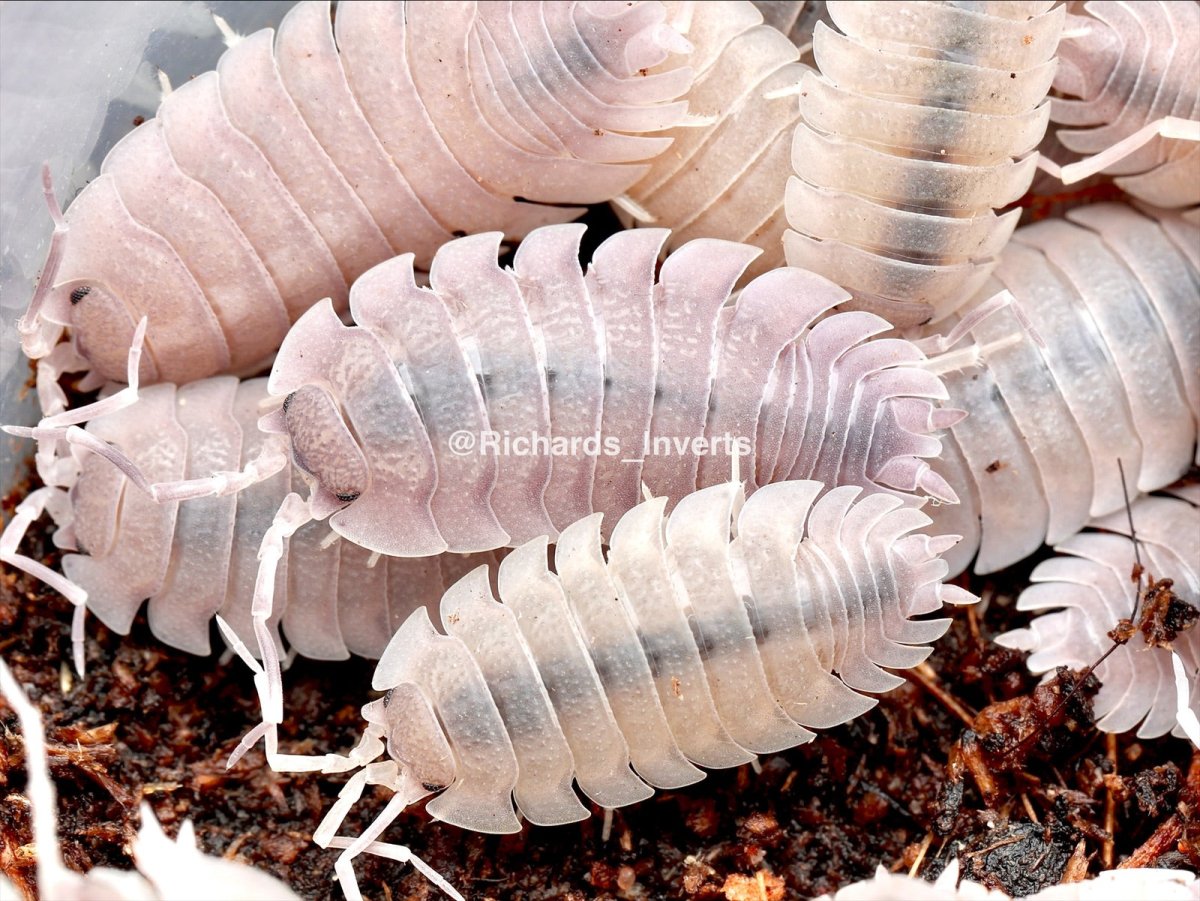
[728, 628]
[923, 119]
[1132, 103]
[312, 154]
[725, 172]
[167, 870]
[1115, 298]
[1090, 590]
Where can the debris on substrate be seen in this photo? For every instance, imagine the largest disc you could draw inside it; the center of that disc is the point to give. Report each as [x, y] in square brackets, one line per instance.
[150, 722]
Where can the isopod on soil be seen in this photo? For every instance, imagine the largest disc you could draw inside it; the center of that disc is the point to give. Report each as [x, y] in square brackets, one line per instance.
[720, 631]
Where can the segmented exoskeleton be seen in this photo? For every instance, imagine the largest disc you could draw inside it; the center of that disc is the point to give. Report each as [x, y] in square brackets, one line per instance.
[1115, 297]
[1094, 587]
[704, 638]
[370, 415]
[726, 179]
[197, 559]
[274, 181]
[923, 119]
[1129, 73]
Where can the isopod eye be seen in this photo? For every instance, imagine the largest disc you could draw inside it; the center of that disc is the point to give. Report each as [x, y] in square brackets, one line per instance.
[415, 738]
[322, 444]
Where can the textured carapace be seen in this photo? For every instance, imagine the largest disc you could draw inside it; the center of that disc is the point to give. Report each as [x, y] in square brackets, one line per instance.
[1093, 588]
[572, 392]
[199, 558]
[923, 119]
[729, 628]
[726, 179]
[1115, 297]
[168, 870]
[1125, 66]
[469, 402]
[274, 181]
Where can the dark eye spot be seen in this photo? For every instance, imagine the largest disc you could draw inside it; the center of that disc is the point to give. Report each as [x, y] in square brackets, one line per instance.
[458, 233]
[348, 497]
[79, 294]
[287, 401]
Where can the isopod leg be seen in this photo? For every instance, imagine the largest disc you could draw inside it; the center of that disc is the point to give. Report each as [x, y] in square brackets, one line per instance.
[126, 397]
[38, 336]
[28, 511]
[366, 843]
[1168, 127]
[62, 359]
[273, 458]
[43, 805]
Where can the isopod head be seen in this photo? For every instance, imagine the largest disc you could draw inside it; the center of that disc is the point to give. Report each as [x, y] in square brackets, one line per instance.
[322, 444]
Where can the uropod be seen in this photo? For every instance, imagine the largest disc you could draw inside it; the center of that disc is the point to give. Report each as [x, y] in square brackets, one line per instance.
[726, 629]
[310, 155]
[667, 381]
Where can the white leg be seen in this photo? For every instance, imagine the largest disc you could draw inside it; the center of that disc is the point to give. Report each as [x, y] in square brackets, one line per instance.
[37, 335]
[401, 854]
[43, 811]
[366, 843]
[27, 512]
[50, 368]
[1169, 127]
[936, 344]
[126, 397]
[272, 459]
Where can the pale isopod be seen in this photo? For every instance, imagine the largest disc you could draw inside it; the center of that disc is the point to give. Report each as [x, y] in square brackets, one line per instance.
[923, 119]
[727, 629]
[1140, 883]
[274, 181]
[369, 414]
[199, 559]
[724, 174]
[1132, 104]
[1091, 590]
[1115, 296]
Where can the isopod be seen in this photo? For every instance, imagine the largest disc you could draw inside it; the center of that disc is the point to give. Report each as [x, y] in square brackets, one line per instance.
[198, 559]
[1115, 296]
[168, 870]
[725, 172]
[368, 416]
[304, 159]
[1133, 104]
[729, 628]
[1090, 591]
[923, 119]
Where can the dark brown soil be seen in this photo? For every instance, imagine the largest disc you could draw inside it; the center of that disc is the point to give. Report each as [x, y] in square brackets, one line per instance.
[148, 722]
